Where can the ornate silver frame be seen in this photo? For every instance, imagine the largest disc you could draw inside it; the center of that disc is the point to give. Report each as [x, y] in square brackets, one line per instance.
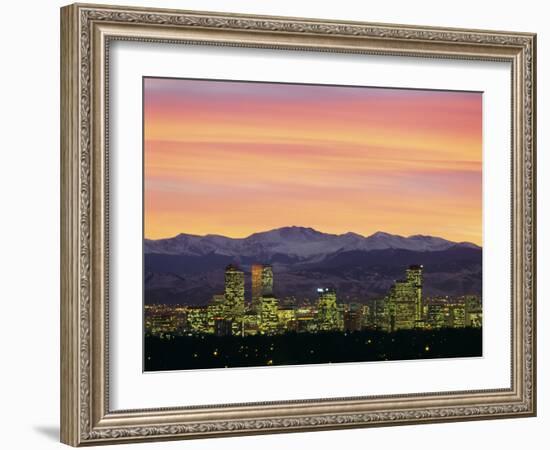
[86, 31]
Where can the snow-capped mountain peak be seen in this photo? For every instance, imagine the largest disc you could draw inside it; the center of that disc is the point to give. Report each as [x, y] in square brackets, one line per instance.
[294, 241]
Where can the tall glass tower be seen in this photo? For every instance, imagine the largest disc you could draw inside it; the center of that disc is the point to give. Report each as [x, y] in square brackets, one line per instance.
[414, 278]
[257, 270]
[267, 280]
[262, 284]
[234, 292]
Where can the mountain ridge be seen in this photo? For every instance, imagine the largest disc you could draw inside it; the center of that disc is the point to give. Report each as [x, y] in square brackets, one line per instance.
[294, 241]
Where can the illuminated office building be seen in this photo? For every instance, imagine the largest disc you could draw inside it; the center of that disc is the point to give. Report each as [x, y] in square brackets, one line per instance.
[233, 293]
[328, 313]
[414, 279]
[262, 284]
[287, 316]
[269, 318]
[215, 312]
[473, 312]
[251, 324]
[457, 316]
[438, 315]
[256, 286]
[267, 280]
[197, 319]
[164, 322]
[306, 319]
[367, 316]
[404, 301]
[474, 319]
[402, 315]
[380, 314]
[401, 306]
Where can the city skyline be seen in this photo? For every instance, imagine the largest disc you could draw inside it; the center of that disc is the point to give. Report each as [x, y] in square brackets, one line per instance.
[236, 313]
[268, 330]
[232, 158]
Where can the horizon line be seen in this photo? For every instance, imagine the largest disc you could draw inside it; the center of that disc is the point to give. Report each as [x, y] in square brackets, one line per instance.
[313, 229]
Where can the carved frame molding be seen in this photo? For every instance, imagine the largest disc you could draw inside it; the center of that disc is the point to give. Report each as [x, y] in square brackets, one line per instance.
[86, 31]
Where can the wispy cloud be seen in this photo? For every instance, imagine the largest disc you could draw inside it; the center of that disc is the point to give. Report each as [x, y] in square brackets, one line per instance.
[234, 158]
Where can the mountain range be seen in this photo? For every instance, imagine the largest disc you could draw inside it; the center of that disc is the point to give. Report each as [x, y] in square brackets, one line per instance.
[189, 268]
[299, 242]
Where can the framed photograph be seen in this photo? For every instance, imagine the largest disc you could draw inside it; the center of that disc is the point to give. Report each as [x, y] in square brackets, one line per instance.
[275, 224]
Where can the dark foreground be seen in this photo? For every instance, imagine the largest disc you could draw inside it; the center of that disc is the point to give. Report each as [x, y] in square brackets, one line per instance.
[208, 352]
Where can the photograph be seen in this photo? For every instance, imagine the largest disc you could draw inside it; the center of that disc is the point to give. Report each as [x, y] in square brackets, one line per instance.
[295, 224]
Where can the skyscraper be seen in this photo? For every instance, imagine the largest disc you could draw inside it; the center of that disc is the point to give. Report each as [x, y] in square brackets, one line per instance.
[269, 318]
[234, 292]
[414, 278]
[404, 301]
[401, 306]
[256, 285]
[267, 280]
[262, 284]
[328, 314]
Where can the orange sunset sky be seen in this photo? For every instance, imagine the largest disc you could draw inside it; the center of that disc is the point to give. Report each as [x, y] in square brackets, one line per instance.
[235, 158]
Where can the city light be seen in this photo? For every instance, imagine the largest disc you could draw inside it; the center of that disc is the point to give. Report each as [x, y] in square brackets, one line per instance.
[404, 307]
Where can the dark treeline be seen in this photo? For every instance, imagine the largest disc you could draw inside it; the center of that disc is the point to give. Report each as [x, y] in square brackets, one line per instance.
[208, 351]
